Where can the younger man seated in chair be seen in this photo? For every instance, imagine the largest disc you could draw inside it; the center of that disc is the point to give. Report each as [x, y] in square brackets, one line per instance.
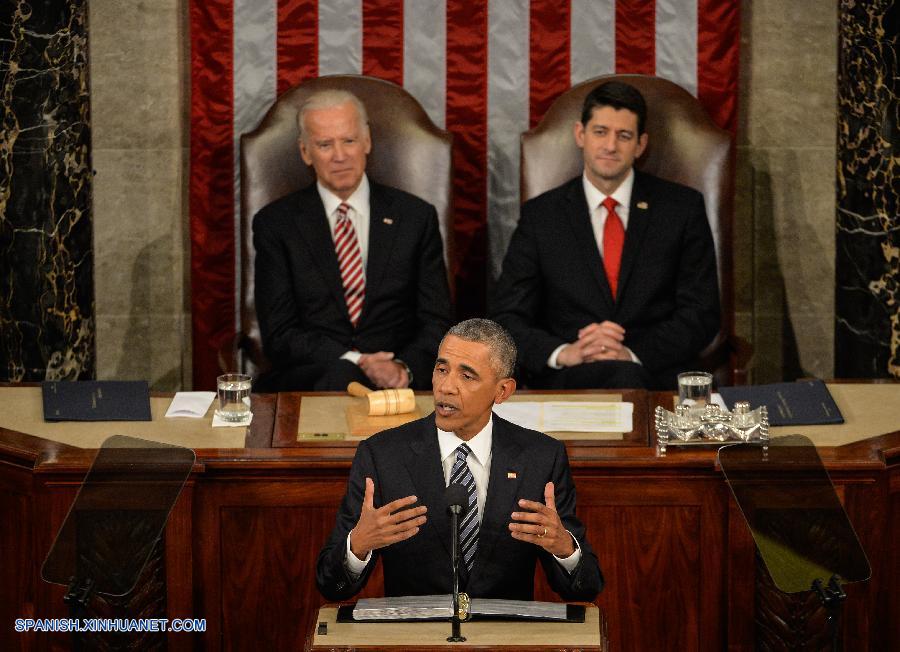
[610, 279]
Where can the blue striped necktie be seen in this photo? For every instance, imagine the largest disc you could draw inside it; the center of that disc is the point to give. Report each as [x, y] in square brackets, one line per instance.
[468, 525]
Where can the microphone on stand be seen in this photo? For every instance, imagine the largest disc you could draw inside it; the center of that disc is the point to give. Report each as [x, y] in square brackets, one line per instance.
[457, 499]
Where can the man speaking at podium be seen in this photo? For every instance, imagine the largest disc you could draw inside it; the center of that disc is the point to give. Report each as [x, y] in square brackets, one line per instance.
[521, 499]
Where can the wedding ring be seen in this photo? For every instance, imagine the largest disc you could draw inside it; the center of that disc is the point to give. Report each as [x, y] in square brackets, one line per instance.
[543, 534]
[603, 349]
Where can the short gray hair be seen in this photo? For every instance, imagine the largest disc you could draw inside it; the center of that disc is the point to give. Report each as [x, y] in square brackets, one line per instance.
[495, 337]
[330, 98]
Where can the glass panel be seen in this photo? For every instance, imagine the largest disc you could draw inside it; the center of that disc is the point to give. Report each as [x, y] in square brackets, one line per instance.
[797, 521]
[118, 514]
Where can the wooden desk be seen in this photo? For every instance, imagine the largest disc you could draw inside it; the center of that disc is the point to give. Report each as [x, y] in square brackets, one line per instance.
[241, 544]
[512, 636]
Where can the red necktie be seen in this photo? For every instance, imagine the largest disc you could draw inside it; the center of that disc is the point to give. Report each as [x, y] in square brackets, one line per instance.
[613, 239]
[350, 262]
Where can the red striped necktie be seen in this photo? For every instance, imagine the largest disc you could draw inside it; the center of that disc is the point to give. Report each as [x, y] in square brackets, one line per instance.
[613, 240]
[350, 262]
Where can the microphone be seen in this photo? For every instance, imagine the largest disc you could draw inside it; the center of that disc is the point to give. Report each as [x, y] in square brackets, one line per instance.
[457, 499]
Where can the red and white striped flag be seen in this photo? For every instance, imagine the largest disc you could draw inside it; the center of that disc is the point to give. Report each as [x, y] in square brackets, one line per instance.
[486, 71]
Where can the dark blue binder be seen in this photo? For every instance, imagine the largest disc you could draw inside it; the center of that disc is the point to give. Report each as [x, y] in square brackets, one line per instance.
[96, 400]
[803, 403]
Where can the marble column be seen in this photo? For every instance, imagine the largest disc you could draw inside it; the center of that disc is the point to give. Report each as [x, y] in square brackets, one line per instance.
[867, 296]
[46, 256]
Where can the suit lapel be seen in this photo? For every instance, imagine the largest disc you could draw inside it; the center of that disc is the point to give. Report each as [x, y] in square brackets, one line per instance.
[502, 493]
[579, 216]
[383, 227]
[639, 216]
[312, 225]
[427, 473]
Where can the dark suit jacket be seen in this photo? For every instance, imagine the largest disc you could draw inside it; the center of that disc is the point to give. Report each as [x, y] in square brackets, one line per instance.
[300, 297]
[553, 282]
[406, 461]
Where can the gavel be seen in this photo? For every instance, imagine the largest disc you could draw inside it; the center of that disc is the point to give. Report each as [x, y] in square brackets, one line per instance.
[384, 402]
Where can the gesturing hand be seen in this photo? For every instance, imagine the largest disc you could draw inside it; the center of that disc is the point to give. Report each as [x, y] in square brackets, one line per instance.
[388, 524]
[540, 525]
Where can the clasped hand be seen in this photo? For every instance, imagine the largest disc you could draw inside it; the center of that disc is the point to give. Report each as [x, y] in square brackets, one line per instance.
[388, 524]
[540, 524]
[603, 341]
[383, 371]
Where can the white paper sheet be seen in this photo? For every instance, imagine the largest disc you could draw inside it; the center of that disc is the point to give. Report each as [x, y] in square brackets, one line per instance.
[193, 405]
[569, 416]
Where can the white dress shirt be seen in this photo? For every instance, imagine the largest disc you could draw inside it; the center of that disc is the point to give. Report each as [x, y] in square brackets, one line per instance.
[479, 461]
[359, 218]
[595, 200]
[598, 212]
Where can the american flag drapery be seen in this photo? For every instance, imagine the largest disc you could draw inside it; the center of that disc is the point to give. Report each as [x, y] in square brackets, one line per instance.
[484, 70]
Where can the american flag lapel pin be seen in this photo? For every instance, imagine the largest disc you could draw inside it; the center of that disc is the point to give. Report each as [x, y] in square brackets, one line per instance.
[511, 475]
[388, 220]
[642, 205]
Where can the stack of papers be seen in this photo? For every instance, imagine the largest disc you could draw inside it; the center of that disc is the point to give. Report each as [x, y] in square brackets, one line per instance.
[569, 416]
[430, 607]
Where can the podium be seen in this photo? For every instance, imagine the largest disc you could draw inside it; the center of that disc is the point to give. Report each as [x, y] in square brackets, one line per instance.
[513, 635]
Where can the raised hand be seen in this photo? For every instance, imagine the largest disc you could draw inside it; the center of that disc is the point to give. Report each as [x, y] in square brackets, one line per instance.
[388, 524]
[539, 523]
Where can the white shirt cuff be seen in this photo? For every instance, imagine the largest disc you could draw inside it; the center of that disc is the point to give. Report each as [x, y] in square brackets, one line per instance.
[634, 358]
[568, 563]
[352, 356]
[356, 567]
[552, 360]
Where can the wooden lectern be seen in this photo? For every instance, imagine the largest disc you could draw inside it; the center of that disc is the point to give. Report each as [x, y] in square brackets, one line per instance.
[517, 636]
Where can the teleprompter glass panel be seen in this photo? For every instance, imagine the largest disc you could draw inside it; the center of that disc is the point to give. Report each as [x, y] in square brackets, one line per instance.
[799, 525]
[118, 514]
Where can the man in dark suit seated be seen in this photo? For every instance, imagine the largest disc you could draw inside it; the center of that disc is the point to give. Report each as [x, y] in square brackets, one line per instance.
[610, 279]
[350, 277]
[521, 500]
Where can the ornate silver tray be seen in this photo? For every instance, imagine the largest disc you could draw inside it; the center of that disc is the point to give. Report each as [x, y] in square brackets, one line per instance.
[711, 426]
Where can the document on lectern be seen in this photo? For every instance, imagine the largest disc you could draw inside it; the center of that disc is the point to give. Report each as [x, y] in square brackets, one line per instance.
[440, 607]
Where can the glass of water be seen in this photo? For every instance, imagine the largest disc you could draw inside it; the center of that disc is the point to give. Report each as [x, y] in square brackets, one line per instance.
[234, 397]
[695, 389]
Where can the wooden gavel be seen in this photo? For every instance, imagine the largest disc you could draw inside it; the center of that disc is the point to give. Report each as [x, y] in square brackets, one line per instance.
[384, 402]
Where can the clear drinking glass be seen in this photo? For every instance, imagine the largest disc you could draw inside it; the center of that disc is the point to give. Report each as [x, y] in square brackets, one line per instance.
[234, 397]
[695, 389]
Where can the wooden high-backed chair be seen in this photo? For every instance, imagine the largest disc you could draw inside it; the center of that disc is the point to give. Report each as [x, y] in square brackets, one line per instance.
[684, 146]
[408, 152]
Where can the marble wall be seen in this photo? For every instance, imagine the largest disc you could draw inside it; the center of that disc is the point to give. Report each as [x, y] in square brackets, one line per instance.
[139, 77]
[867, 334]
[784, 222]
[784, 252]
[46, 260]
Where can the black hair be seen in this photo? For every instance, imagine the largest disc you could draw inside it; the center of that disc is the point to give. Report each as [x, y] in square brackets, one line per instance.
[618, 95]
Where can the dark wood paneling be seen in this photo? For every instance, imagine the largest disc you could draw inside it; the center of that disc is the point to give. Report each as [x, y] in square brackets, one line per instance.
[17, 581]
[270, 560]
[660, 545]
[890, 586]
[242, 540]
